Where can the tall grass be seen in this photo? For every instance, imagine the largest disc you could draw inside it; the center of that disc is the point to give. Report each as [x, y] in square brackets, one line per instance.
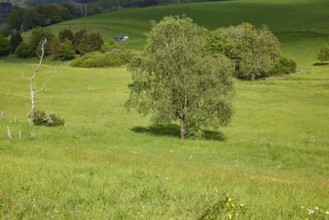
[107, 163]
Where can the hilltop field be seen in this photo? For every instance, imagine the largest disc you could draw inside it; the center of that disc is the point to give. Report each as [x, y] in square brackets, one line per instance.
[271, 162]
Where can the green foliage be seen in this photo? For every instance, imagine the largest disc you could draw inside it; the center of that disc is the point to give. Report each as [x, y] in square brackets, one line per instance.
[323, 54]
[282, 66]
[253, 51]
[66, 50]
[97, 59]
[176, 81]
[78, 36]
[15, 40]
[54, 47]
[37, 37]
[48, 119]
[90, 42]
[66, 34]
[23, 50]
[4, 46]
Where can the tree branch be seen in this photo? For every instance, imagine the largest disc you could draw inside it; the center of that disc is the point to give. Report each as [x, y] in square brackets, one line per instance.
[44, 84]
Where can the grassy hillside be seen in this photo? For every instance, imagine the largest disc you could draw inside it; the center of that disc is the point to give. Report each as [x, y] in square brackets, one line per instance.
[107, 163]
[302, 26]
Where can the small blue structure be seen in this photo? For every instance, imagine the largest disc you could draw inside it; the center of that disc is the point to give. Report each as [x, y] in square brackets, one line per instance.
[120, 37]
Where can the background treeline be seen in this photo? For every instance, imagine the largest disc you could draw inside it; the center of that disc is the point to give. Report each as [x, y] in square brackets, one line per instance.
[23, 15]
[89, 48]
[41, 15]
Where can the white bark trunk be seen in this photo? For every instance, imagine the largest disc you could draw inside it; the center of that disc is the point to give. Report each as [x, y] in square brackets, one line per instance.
[32, 92]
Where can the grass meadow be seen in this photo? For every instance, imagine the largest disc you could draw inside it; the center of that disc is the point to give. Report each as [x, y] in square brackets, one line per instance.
[107, 163]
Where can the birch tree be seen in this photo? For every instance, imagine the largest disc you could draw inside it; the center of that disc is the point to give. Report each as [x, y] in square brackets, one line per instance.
[176, 81]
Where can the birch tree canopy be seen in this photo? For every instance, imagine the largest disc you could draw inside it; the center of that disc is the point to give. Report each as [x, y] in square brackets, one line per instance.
[175, 80]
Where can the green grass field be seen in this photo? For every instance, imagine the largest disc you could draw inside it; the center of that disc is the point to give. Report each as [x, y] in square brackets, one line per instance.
[106, 163]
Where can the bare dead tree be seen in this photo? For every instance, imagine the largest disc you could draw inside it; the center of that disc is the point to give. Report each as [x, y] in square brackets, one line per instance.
[32, 90]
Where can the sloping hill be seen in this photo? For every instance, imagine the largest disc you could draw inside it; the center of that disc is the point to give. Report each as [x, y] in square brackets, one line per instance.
[302, 26]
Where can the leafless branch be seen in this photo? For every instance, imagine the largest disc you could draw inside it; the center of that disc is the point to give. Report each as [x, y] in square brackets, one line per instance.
[23, 96]
[44, 84]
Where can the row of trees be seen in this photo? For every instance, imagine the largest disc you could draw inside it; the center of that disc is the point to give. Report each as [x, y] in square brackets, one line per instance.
[42, 15]
[63, 47]
[185, 73]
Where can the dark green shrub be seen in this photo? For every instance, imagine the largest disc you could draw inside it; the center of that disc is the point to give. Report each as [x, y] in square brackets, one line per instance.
[37, 37]
[282, 66]
[15, 40]
[323, 54]
[48, 119]
[66, 34]
[23, 50]
[54, 47]
[77, 38]
[4, 46]
[66, 50]
[90, 42]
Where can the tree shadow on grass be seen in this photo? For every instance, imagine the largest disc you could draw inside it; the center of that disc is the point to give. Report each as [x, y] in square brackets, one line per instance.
[320, 64]
[173, 131]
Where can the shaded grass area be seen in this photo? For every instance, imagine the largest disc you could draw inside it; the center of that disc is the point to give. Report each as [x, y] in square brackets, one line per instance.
[109, 163]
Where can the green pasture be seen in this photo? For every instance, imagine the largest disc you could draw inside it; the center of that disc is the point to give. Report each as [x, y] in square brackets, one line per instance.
[301, 26]
[107, 163]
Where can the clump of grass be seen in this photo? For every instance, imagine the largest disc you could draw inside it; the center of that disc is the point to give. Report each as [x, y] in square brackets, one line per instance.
[48, 119]
[223, 209]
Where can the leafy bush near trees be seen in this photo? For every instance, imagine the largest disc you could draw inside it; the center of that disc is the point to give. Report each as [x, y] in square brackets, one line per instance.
[37, 36]
[23, 51]
[66, 34]
[282, 66]
[15, 40]
[48, 119]
[66, 50]
[90, 42]
[323, 54]
[4, 46]
[98, 59]
[255, 52]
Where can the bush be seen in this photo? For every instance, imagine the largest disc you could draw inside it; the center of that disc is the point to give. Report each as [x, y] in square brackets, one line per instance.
[37, 37]
[90, 42]
[66, 34]
[47, 119]
[115, 57]
[282, 66]
[77, 38]
[23, 50]
[323, 55]
[66, 50]
[253, 51]
[15, 40]
[4, 46]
